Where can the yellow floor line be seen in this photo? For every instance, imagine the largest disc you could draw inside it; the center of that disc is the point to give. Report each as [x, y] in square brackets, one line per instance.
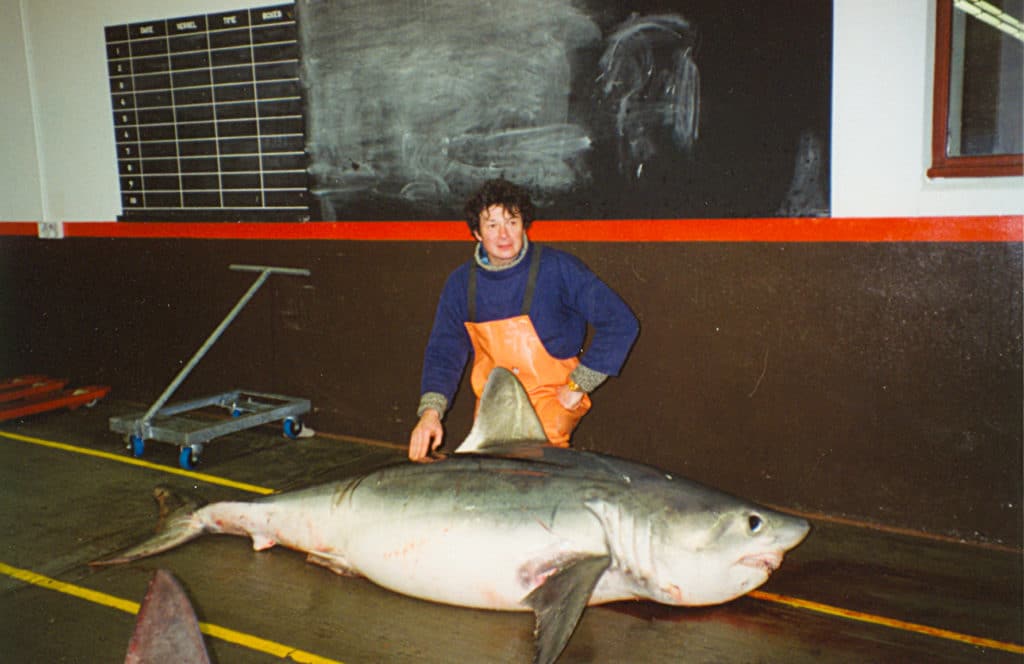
[764, 596]
[886, 622]
[121, 458]
[896, 530]
[223, 633]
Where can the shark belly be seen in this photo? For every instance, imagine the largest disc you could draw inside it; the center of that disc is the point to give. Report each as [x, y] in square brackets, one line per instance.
[451, 547]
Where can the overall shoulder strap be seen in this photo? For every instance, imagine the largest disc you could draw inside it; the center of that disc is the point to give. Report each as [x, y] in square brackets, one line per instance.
[531, 285]
[471, 294]
[531, 280]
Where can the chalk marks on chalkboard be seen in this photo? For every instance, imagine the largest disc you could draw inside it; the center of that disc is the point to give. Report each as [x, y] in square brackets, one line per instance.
[601, 113]
[648, 72]
[806, 195]
[536, 156]
[422, 102]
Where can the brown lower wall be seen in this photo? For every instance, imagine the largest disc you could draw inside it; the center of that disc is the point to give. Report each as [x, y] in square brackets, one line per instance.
[880, 381]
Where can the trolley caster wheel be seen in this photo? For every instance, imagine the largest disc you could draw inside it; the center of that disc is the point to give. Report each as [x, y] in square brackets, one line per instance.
[187, 457]
[292, 427]
[136, 445]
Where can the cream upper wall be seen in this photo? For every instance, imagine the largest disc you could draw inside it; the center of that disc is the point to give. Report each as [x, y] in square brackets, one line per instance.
[20, 196]
[68, 67]
[883, 53]
[880, 134]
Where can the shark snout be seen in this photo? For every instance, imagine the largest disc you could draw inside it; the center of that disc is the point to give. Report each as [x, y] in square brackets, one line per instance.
[801, 528]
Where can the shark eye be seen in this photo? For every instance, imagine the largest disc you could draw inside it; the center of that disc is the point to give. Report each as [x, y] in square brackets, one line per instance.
[755, 523]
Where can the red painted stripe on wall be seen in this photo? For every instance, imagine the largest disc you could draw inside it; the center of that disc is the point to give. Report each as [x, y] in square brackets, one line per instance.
[893, 229]
[1009, 228]
[18, 228]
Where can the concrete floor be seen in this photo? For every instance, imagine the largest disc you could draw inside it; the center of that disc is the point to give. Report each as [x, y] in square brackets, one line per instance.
[847, 594]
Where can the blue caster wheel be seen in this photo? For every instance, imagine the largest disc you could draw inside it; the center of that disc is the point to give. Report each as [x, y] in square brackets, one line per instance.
[187, 457]
[137, 445]
[292, 427]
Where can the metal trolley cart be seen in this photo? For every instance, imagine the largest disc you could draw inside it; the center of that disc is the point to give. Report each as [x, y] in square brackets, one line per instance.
[170, 424]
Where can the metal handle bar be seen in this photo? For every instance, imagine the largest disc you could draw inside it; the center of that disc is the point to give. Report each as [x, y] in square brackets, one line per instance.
[265, 272]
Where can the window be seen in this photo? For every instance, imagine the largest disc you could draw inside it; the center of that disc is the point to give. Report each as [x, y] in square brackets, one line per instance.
[977, 113]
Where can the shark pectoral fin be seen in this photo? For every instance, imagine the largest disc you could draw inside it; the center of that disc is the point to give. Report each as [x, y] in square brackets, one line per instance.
[505, 415]
[558, 604]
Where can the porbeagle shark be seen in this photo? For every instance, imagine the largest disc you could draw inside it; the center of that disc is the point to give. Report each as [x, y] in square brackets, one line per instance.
[513, 524]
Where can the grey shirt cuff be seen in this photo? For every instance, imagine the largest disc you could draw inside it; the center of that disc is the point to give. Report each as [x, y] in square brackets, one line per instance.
[588, 379]
[432, 400]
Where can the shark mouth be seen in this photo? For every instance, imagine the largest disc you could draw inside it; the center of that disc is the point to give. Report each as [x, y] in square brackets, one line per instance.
[769, 561]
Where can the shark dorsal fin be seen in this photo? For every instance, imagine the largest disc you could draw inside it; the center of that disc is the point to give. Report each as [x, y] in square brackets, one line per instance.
[505, 415]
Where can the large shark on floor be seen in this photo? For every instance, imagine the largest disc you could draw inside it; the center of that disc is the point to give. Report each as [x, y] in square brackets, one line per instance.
[510, 523]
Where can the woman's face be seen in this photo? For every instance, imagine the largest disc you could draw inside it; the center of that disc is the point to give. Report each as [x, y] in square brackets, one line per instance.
[501, 233]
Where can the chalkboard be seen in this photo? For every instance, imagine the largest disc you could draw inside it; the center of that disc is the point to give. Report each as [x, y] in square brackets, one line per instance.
[648, 109]
[208, 116]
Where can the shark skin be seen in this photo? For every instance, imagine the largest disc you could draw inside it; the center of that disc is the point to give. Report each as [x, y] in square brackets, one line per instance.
[510, 523]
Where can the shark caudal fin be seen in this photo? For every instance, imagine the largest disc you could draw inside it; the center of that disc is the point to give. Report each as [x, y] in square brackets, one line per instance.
[176, 526]
[505, 415]
[166, 629]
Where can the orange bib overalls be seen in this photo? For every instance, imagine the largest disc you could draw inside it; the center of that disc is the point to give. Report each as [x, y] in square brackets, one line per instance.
[513, 343]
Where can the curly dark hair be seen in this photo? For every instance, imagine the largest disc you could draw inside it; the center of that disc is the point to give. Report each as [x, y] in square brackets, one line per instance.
[501, 192]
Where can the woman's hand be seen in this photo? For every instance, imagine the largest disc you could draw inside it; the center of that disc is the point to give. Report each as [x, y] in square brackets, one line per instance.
[427, 436]
[568, 398]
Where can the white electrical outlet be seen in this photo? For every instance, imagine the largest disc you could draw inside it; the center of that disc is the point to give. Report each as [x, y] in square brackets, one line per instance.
[51, 230]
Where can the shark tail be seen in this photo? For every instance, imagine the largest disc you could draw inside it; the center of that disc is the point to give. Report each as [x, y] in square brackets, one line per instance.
[177, 525]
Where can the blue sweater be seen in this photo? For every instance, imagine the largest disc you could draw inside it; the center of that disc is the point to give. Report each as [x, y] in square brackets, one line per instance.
[567, 297]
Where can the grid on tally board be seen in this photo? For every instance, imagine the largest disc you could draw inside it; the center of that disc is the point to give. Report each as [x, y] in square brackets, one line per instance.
[208, 116]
